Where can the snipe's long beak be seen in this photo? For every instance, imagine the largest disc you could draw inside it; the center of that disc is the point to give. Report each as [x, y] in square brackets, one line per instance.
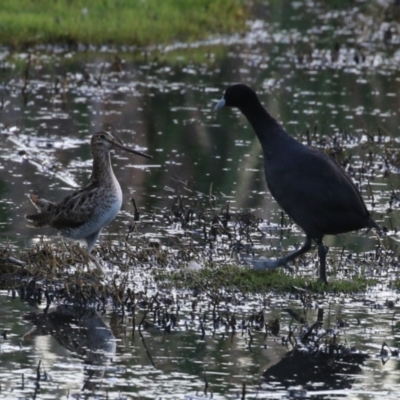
[129, 150]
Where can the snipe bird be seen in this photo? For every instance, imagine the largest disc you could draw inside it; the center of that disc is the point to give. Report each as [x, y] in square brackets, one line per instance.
[310, 186]
[84, 214]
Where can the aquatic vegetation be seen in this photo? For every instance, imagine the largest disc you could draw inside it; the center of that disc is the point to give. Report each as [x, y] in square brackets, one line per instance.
[192, 245]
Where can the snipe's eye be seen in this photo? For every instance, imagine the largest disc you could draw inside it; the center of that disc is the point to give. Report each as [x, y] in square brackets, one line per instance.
[102, 137]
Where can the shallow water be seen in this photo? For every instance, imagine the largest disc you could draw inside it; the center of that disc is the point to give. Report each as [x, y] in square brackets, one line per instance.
[330, 72]
[185, 363]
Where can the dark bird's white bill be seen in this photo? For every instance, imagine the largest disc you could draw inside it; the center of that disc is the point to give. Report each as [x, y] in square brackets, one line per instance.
[220, 104]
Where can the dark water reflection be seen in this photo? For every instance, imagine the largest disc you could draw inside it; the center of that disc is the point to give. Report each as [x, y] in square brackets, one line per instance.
[315, 69]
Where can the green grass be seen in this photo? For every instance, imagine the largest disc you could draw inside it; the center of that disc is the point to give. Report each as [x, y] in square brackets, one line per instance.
[118, 22]
[247, 280]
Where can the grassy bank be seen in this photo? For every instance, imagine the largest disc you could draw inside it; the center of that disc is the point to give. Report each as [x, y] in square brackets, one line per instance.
[118, 22]
[247, 280]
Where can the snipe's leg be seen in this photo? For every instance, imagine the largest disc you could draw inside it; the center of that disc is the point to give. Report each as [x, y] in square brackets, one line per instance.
[91, 257]
[322, 252]
[90, 241]
[282, 262]
[96, 263]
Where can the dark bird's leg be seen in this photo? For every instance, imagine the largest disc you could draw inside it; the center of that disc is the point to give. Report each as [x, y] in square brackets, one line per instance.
[282, 262]
[322, 252]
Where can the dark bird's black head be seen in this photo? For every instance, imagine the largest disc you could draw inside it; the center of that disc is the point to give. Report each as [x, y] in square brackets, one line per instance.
[239, 96]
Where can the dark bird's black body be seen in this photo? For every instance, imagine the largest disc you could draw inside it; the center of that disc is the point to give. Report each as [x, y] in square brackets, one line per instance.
[309, 185]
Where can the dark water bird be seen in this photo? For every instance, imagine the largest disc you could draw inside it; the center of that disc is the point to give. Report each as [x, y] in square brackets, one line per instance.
[84, 214]
[310, 186]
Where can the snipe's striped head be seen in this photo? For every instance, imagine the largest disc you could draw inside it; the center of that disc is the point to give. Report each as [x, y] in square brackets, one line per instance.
[105, 142]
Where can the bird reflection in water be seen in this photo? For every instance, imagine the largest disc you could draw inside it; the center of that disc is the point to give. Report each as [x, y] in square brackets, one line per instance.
[318, 360]
[80, 330]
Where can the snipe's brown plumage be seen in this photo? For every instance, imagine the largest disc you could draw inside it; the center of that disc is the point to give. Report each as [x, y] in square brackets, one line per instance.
[84, 214]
